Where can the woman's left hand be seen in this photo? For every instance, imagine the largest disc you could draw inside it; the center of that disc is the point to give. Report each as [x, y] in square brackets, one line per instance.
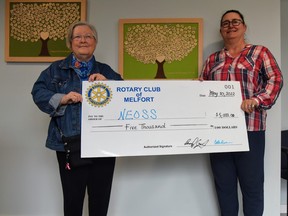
[249, 105]
[96, 76]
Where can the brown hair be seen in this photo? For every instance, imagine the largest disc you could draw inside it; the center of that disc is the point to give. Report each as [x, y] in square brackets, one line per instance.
[233, 11]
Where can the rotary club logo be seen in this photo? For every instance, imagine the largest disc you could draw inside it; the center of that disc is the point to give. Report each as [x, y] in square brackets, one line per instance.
[98, 95]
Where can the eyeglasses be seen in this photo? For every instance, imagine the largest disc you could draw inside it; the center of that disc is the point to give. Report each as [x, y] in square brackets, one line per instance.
[234, 22]
[86, 37]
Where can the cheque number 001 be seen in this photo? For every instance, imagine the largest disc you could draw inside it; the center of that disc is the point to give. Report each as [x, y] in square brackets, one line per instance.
[229, 86]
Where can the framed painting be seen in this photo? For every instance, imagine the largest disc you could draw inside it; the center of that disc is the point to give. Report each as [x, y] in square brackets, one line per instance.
[35, 30]
[160, 48]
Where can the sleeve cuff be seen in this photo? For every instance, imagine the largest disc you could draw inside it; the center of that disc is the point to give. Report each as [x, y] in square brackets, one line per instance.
[55, 103]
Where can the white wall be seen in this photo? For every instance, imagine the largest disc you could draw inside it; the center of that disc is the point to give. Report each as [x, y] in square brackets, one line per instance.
[166, 185]
[284, 57]
[284, 66]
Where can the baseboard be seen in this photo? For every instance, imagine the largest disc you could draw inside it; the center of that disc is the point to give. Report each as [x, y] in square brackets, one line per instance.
[283, 209]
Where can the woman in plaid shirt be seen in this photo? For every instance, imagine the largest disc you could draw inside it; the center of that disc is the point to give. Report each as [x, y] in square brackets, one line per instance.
[261, 81]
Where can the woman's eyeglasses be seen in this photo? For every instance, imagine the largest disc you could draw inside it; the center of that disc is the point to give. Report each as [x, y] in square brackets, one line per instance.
[234, 22]
[85, 37]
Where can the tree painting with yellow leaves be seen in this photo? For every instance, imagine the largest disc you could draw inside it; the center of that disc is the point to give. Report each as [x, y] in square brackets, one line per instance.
[38, 29]
[160, 50]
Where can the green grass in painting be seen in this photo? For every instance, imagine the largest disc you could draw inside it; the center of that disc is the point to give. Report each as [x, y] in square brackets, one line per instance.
[29, 49]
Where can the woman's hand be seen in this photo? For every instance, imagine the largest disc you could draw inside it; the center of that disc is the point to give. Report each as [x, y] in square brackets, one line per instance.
[71, 97]
[96, 76]
[249, 105]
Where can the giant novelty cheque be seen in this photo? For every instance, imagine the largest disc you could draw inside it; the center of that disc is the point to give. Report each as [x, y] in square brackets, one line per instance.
[134, 118]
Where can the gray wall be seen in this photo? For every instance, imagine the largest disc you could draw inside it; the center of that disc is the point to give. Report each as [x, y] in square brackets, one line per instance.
[164, 185]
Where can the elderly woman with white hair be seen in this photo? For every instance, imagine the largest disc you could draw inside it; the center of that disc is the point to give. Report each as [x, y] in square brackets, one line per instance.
[57, 92]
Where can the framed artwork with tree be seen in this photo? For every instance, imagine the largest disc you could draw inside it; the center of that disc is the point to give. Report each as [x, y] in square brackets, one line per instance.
[35, 30]
[160, 48]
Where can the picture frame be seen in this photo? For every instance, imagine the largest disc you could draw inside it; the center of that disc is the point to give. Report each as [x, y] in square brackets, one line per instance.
[161, 48]
[35, 30]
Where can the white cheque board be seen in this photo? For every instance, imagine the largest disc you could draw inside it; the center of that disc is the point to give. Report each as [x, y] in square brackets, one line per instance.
[133, 118]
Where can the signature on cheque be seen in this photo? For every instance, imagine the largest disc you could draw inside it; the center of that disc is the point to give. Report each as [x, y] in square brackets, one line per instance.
[196, 143]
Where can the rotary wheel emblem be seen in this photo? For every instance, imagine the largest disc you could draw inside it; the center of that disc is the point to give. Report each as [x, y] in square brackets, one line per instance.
[98, 95]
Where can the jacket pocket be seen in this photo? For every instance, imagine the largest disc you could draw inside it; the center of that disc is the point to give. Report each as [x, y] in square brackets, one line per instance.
[59, 84]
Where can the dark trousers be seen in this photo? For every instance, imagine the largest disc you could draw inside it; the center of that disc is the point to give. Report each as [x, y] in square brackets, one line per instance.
[96, 178]
[248, 169]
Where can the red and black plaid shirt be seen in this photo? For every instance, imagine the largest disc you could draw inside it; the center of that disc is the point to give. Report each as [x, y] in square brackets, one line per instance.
[258, 73]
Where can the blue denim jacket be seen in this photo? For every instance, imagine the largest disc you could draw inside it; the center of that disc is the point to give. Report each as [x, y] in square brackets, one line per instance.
[53, 83]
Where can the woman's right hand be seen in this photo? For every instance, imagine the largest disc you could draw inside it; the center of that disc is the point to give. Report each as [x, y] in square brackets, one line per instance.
[71, 97]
